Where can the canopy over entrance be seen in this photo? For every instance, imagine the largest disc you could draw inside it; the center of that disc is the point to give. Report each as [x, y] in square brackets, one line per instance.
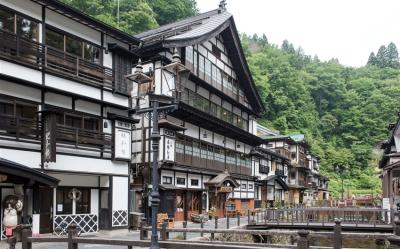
[12, 172]
[277, 179]
[221, 180]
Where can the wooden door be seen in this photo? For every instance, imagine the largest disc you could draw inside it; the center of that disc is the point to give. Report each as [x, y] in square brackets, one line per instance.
[104, 213]
[46, 210]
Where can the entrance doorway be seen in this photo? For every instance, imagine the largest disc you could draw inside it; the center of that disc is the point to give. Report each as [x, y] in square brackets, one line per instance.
[46, 210]
[104, 213]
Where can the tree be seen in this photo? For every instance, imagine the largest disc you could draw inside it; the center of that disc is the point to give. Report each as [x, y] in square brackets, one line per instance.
[381, 57]
[372, 61]
[392, 56]
[168, 11]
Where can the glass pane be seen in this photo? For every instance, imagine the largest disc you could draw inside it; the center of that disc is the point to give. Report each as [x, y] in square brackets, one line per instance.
[27, 28]
[6, 20]
[54, 39]
[6, 108]
[73, 121]
[92, 53]
[26, 111]
[91, 124]
[73, 46]
[82, 201]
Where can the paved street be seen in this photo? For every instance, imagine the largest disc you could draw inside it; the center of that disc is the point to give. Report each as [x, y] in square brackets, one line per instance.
[134, 235]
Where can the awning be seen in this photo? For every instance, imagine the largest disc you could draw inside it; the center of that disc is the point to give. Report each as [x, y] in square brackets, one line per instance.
[173, 187]
[276, 178]
[20, 174]
[220, 179]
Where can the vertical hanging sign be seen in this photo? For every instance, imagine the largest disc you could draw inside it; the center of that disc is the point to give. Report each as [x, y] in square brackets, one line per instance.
[49, 137]
[122, 141]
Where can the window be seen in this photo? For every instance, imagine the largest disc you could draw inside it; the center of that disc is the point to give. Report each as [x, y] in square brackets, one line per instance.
[194, 182]
[244, 186]
[7, 20]
[79, 121]
[73, 46]
[22, 26]
[180, 181]
[167, 180]
[216, 51]
[250, 186]
[64, 202]
[83, 203]
[54, 39]
[27, 28]
[92, 53]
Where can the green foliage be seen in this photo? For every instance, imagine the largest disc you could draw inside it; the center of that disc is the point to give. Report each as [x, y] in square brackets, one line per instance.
[136, 15]
[386, 57]
[343, 111]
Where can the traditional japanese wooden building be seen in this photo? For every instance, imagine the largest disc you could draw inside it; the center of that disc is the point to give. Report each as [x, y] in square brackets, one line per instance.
[390, 165]
[306, 185]
[205, 163]
[64, 121]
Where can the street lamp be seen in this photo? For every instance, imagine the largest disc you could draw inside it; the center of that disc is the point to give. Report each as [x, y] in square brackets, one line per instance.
[159, 105]
[339, 170]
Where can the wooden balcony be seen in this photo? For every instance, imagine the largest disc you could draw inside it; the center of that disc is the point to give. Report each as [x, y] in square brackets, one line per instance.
[83, 139]
[36, 55]
[283, 152]
[20, 129]
[29, 130]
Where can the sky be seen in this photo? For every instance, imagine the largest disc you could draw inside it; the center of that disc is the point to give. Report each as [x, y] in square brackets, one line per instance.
[348, 30]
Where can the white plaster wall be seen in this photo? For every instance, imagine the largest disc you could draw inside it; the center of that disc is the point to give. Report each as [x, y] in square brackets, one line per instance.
[104, 181]
[191, 130]
[27, 158]
[206, 135]
[58, 100]
[72, 87]
[230, 143]
[88, 107]
[73, 180]
[120, 193]
[115, 99]
[107, 59]
[72, 27]
[27, 7]
[218, 139]
[20, 91]
[90, 165]
[20, 72]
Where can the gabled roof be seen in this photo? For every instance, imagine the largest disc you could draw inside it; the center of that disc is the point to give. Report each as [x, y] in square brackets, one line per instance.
[200, 28]
[77, 15]
[219, 180]
[26, 174]
[277, 179]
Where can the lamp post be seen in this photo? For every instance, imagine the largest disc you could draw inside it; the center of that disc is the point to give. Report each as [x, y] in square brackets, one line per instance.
[159, 105]
[339, 170]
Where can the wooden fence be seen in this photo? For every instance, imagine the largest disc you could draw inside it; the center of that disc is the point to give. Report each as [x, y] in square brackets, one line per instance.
[302, 237]
[306, 216]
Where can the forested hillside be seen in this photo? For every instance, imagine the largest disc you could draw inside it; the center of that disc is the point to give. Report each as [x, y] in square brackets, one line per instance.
[343, 111]
[134, 16]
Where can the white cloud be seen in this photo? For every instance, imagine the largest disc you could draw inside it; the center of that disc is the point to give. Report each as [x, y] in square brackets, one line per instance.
[345, 29]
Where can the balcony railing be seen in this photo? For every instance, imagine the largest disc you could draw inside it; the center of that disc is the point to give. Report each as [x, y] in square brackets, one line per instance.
[80, 138]
[33, 54]
[19, 128]
[30, 131]
[283, 152]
